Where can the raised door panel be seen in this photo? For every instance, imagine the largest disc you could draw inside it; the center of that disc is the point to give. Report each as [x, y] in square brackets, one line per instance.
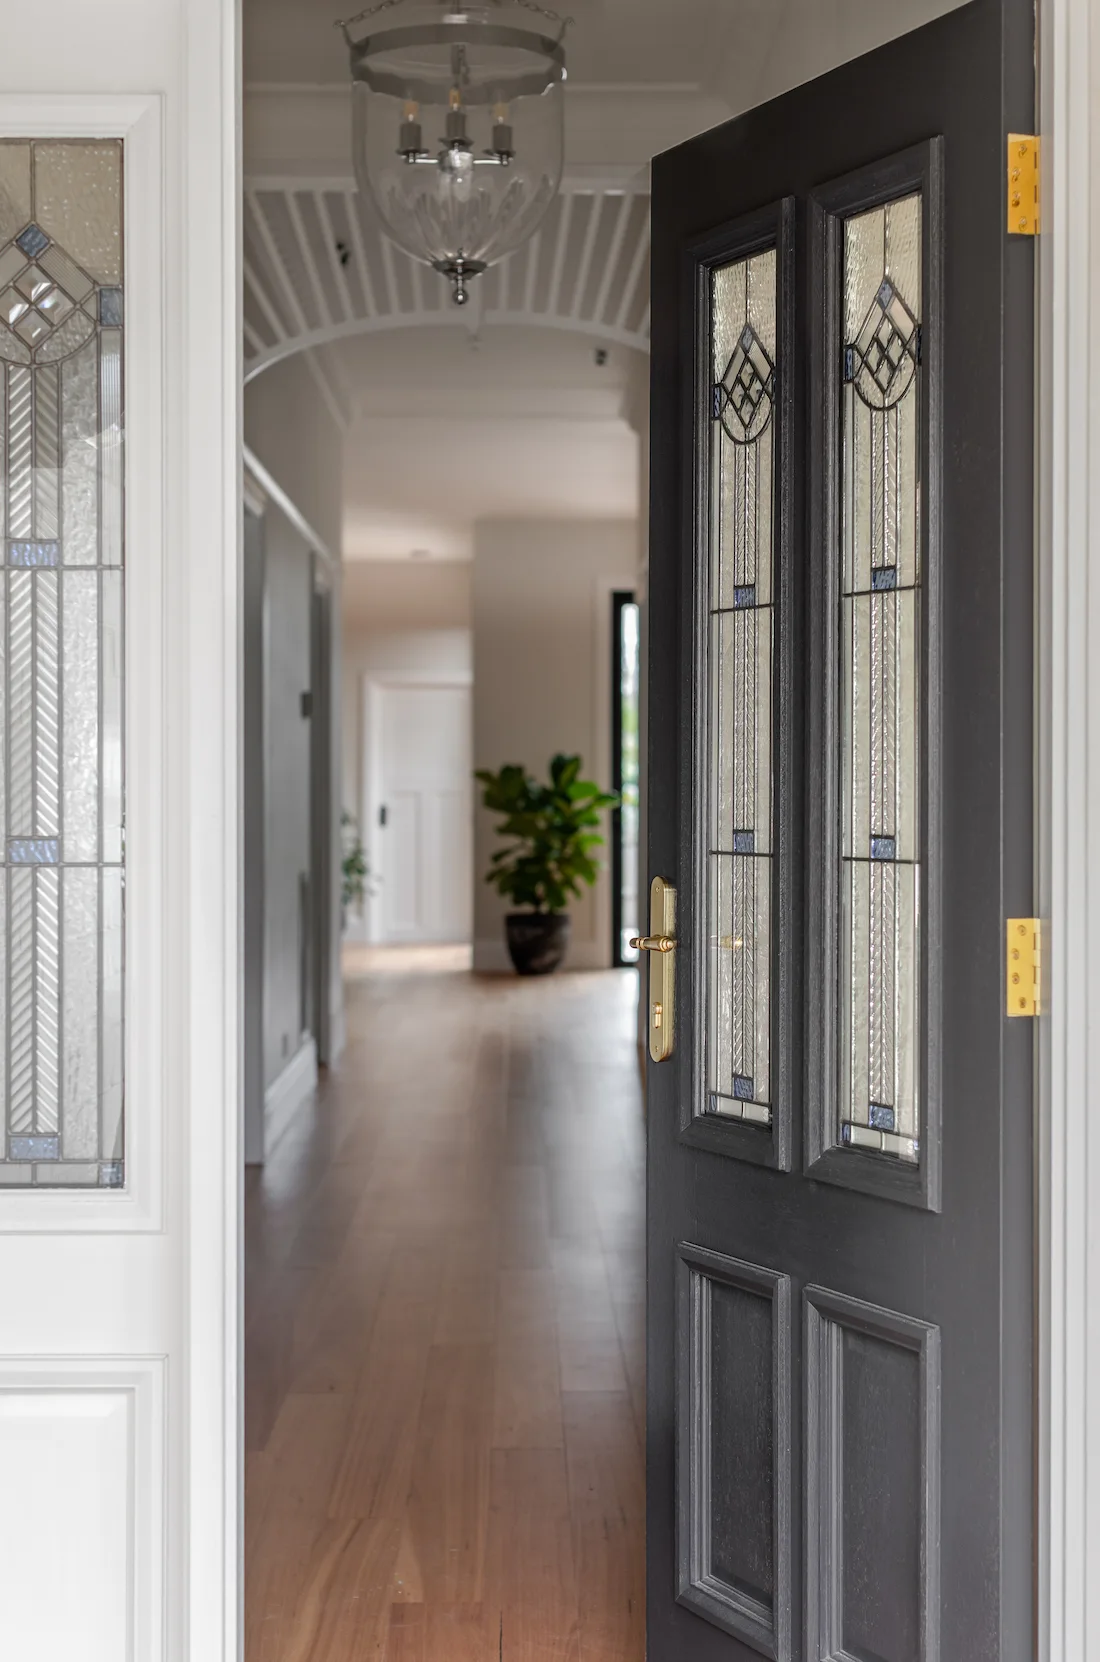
[873, 1463]
[734, 1407]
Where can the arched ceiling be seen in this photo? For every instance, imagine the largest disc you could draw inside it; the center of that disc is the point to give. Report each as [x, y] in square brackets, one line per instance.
[317, 269]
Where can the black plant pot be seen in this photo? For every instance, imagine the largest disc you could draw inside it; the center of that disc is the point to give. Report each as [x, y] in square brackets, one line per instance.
[537, 941]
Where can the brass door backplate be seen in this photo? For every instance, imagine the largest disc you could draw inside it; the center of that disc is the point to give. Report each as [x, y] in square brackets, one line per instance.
[660, 943]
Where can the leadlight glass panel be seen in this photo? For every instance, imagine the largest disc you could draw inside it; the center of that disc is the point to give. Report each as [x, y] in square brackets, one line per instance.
[880, 625]
[61, 676]
[741, 625]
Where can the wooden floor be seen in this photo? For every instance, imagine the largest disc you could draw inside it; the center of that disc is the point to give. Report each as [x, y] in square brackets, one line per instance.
[445, 1335]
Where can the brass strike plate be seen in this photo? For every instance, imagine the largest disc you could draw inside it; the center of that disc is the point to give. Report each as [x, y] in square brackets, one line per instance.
[662, 970]
[1022, 967]
[1023, 185]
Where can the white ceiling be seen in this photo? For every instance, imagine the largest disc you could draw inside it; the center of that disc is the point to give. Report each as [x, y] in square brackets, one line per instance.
[523, 425]
[741, 50]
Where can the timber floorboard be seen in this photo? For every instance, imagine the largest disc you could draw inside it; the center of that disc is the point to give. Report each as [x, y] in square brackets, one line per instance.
[444, 1332]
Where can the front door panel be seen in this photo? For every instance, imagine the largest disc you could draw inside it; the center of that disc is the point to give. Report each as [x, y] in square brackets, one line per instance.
[839, 1225]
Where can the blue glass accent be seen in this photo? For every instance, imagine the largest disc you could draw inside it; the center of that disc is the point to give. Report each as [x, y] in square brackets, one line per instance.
[742, 1087]
[34, 553]
[32, 241]
[34, 1148]
[744, 842]
[110, 307]
[882, 1117]
[883, 848]
[885, 293]
[744, 599]
[716, 400]
[884, 577]
[849, 363]
[33, 851]
[845, 1133]
[110, 1174]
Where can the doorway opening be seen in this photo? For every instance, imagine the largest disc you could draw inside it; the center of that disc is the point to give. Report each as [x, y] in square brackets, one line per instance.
[447, 1288]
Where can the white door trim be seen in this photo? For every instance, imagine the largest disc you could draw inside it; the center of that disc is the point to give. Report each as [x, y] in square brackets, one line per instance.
[1068, 798]
[204, 838]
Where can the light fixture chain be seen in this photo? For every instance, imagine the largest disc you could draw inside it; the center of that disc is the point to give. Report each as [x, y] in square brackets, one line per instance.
[346, 23]
[551, 16]
[545, 11]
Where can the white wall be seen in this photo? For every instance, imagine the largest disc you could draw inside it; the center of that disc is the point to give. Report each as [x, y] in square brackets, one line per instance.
[401, 619]
[292, 431]
[542, 683]
[294, 436]
[288, 596]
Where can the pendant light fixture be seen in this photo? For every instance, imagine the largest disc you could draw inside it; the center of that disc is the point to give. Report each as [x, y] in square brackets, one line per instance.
[457, 128]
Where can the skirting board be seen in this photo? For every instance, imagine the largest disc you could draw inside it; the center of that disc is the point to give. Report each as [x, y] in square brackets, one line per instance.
[491, 958]
[285, 1095]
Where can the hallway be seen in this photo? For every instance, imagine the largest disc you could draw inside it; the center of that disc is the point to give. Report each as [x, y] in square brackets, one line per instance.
[445, 1334]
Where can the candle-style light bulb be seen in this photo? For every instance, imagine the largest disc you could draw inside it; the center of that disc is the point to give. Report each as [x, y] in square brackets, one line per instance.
[503, 141]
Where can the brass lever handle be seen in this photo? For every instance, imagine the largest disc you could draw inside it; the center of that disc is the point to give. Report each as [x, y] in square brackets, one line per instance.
[653, 943]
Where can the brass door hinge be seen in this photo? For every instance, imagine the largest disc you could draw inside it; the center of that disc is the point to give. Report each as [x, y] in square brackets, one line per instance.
[1023, 185]
[1023, 963]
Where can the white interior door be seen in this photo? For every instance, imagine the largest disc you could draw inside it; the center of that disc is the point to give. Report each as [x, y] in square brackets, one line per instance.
[423, 816]
[118, 911]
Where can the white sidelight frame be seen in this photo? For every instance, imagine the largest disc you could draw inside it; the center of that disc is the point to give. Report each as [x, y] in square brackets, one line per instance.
[164, 1352]
[1068, 800]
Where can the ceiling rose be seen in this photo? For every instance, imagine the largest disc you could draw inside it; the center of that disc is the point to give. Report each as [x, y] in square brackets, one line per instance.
[457, 129]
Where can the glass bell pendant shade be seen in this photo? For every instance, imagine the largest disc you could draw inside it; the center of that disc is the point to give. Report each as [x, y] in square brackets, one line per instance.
[457, 128]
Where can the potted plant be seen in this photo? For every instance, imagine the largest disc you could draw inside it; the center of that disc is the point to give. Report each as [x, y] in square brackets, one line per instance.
[355, 879]
[553, 827]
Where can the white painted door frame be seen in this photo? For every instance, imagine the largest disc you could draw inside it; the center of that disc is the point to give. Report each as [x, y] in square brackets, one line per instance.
[1068, 799]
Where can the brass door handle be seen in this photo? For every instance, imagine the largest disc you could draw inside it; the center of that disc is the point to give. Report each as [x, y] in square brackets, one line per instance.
[662, 967]
[653, 943]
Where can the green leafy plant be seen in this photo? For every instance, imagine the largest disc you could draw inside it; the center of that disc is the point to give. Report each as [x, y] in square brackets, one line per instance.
[552, 827]
[354, 870]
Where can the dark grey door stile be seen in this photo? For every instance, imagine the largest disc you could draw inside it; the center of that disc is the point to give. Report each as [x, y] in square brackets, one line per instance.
[840, 1329]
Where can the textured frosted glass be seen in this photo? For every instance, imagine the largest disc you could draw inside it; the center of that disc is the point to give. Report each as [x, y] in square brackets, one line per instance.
[110, 445]
[47, 706]
[81, 715]
[110, 1079]
[111, 707]
[62, 653]
[740, 700]
[78, 190]
[79, 475]
[15, 187]
[880, 622]
[80, 1013]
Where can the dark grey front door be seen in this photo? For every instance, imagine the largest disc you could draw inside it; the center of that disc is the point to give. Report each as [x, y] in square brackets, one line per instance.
[840, 1282]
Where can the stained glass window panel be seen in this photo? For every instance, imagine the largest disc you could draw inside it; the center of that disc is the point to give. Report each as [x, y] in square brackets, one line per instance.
[61, 646]
[880, 628]
[740, 813]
